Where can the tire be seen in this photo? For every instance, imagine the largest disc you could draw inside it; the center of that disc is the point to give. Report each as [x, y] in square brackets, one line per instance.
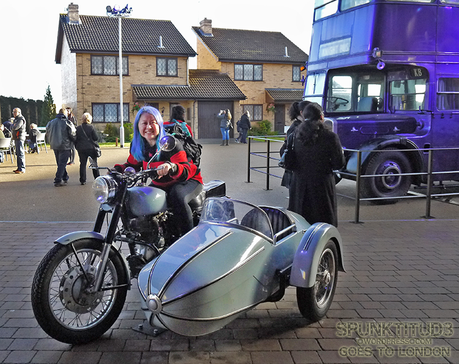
[61, 306]
[387, 163]
[315, 301]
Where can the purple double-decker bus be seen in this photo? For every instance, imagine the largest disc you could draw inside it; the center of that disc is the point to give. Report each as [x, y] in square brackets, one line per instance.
[387, 75]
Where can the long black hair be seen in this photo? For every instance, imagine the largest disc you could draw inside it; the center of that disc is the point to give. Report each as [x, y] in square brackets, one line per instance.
[178, 113]
[309, 129]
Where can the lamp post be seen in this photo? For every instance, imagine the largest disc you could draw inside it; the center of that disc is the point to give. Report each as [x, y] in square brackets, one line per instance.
[120, 13]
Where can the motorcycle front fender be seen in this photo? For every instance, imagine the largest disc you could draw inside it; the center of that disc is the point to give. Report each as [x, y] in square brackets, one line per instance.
[78, 235]
[307, 256]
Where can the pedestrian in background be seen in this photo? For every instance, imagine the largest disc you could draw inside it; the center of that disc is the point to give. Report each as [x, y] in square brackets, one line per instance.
[18, 132]
[33, 133]
[244, 125]
[61, 135]
[86, 142]
[225, 125]
[318, 152]
[73, 120]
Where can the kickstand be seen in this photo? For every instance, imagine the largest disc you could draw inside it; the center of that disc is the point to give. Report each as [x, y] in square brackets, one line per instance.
[147, 329]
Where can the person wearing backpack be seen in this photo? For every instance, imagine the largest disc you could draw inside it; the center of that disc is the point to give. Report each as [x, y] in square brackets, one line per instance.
[178, 117]
[86, 142]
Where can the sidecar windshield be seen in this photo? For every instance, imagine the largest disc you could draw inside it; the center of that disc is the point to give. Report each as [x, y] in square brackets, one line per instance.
[227, 211]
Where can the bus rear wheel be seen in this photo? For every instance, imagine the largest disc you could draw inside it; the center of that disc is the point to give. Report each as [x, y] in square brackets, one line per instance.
[388, 165]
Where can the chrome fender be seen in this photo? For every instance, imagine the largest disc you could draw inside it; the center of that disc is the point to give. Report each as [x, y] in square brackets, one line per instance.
[307, 256]
[78, 235]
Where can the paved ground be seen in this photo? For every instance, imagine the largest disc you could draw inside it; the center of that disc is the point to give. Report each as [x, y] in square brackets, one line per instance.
[400, 291]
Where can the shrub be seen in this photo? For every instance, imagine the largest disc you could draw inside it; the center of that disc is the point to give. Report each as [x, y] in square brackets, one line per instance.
[263, 128]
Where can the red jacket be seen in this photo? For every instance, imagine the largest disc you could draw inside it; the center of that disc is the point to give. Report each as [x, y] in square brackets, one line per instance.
[185, 170]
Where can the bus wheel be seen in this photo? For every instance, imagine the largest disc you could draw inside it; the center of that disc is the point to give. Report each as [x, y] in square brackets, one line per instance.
[387, 164]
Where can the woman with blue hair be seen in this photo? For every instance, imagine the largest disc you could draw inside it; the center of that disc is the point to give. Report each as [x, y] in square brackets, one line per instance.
[179, 177]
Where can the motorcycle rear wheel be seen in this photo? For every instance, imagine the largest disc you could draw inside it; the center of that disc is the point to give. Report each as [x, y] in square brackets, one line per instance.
[61, 302]
[315, 301]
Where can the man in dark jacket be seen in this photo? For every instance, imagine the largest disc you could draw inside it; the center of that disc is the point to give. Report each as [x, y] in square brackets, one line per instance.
[61, 135]
[19, 136]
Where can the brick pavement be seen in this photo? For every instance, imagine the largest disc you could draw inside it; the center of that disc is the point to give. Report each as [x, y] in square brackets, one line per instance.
[400, 275]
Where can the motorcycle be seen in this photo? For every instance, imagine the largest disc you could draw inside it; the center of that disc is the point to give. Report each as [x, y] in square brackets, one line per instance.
[80, 286]
[238, 256]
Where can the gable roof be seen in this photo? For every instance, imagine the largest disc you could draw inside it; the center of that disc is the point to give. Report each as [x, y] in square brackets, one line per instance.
[231, 45]
[204, 85]
[99, 34]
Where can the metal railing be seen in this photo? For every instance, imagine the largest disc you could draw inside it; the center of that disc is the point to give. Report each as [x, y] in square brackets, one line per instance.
[358, 176]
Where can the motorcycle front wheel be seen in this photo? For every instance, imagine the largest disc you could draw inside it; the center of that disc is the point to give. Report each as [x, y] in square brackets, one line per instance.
[315, 301]
[62, 301]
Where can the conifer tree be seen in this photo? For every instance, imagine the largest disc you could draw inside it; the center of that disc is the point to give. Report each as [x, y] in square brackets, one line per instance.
[49, 108]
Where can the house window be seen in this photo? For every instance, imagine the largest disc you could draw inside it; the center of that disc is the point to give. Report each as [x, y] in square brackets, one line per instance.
[109, 113]
[166, 67]
[107, 65]
[256, 111]
[296, 73]
[248, 72]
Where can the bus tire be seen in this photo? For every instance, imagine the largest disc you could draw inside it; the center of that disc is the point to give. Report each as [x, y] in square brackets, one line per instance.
[387, 163]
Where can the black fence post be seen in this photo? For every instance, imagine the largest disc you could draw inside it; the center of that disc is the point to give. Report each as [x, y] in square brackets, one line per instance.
[357, 187]
[429, 185]
[268, 154]
[249, 145]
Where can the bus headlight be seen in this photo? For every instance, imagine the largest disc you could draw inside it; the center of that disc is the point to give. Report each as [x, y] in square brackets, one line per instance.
[104, 189]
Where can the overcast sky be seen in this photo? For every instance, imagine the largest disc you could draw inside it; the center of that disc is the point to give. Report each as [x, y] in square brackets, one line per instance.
[29, 32]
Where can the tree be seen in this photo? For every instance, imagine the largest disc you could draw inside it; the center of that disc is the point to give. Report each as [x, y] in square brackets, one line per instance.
[48, 111]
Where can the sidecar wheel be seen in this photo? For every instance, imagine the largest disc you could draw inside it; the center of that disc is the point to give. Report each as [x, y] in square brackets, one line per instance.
[63, 306]
[315, 301]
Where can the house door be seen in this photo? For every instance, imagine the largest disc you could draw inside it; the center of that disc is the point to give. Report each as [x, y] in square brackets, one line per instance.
[208, 124]
[279, 118]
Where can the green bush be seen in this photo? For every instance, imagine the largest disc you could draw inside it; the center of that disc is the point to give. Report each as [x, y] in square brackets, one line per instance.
[263, 128]
[112, 132]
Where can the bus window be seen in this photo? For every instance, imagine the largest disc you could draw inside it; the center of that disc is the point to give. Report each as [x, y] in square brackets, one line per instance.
[348, 4]
[407, 94]
[324, 8]
[448, 94]
[370, 91]
[314, 88]
[339, 94]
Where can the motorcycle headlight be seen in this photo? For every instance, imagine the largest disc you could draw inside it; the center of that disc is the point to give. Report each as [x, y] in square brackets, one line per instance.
[104, 189]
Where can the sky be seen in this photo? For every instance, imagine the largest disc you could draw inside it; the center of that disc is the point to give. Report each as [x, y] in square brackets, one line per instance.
[29, 32]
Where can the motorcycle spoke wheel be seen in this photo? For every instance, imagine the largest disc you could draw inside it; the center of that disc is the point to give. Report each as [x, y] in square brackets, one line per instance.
[315, 301]
[62, 297]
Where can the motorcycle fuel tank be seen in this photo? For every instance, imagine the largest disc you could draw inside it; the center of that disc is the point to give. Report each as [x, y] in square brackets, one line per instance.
[145, 200]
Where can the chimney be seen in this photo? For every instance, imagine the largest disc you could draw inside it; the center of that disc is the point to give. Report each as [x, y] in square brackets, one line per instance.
[206, 27]
[74, 17]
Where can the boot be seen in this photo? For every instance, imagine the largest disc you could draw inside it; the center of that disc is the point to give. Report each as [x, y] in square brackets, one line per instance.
[227, 141]
[223, 143]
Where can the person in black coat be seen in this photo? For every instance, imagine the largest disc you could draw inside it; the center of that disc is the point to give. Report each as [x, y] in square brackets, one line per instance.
[296, 116]
[244, 125]
[86, 141]
[318, 152]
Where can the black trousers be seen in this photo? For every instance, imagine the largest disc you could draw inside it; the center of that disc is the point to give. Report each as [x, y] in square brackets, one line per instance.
[83, 154]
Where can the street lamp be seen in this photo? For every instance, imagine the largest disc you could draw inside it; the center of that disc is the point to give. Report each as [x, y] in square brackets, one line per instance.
[119, 13]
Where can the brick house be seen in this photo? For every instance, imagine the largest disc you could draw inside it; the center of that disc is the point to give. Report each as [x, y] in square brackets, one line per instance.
[265, 66]
[155, 69]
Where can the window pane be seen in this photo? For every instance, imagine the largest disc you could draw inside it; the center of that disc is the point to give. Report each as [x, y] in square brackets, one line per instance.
[96, 65]
[257, 112]
[296, 73]
[248, 72]
[238, 72]
[248, 108]
[125, 112]
[111, 113]
[98, 112]
[448, 94]
[161, 67]
[110, 65]
[125, 65]
[339, 95]
[326, 10]
[172, 67]
[258, 72]
[347, 4]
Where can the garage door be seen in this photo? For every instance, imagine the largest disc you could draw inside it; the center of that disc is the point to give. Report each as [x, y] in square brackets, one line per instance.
[208, 124]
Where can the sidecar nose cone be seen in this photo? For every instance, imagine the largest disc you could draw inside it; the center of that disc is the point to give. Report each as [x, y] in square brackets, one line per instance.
[154, 303]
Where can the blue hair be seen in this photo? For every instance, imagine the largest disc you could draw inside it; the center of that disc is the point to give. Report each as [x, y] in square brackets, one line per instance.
[139, 143]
